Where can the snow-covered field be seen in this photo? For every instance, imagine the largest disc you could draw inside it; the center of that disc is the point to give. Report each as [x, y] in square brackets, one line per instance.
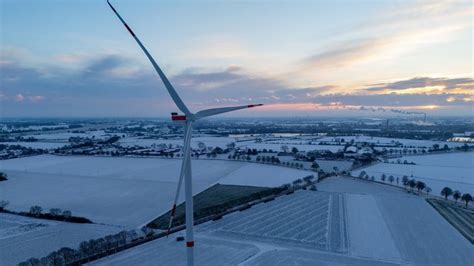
[306, 219]
[64, 136]
[166, 251]
[37, 144]
[384, 225]
[391, 141]
[253, 174]
[455, 170]
[300, 147]
[363, 214]
[121, 191]
[209, 141]
[22, 237]
[328, 165]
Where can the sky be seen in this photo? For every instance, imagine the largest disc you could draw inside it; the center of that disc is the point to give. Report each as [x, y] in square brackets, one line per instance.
[60, 58]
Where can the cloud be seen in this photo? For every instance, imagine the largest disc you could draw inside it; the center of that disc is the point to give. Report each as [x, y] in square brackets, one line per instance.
[392, 33]
[345, 54]
[71, 58]
[36, 98]
[92, 88]
[236, 86]
[19, 97]
[422, 82]
[112, 66]
[209, 80]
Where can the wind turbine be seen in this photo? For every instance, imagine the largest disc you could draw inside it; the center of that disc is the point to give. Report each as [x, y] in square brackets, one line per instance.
[188, 118]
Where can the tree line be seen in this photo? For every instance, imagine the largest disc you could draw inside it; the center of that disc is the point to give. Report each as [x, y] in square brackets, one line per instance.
[420, 186]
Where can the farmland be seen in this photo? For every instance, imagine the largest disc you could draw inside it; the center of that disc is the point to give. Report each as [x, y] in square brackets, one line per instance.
[329, 226]
[461, 218]
[311, 219]
[23, 237]
[103, 188]
[455, 170]
[123, 175]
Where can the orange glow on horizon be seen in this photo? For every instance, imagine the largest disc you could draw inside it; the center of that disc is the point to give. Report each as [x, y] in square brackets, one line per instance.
[339, 106]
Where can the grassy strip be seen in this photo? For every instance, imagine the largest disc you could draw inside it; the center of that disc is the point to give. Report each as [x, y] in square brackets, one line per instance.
[216, 199]
[48, 216]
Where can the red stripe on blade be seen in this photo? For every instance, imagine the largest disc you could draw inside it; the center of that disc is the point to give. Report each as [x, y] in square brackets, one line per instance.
[129, 30]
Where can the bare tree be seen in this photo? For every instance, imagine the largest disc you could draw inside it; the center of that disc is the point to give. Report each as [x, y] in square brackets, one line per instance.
[428, 190]
[3, 176]
[67, 214]
[466, 197]
[36, 210]
[391, 179]
[315, 165]
[412, 184]
[420, 185]
[446, 191]
[456, 195]
[405, 180]
[3, 204]
[55, 211]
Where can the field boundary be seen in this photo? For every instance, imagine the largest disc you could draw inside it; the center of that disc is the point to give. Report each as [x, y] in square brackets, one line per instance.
[460, 218]
[175, 229]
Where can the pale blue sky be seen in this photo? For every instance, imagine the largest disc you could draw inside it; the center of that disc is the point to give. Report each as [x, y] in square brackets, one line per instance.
[299, 57]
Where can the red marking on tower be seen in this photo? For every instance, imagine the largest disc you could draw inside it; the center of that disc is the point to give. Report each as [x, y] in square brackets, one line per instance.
[190, 244]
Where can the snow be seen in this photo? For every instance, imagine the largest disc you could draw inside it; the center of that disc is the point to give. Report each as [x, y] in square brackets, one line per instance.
[384, 225]
[259, 175]
[455, 170]
[300, 147]
[210, 141]
[170, 252]
[310, 258]
[459, 160]
[64, 136]
[328, 165]
[422, 235]
[391, 141]
[399, 225]
[120, 190]
[22, 237]
[365, 219]
[306, 219]
[37, 144]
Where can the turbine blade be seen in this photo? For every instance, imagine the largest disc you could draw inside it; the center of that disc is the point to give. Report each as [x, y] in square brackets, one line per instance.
[174, 95]
[186, 148]
[216, 111]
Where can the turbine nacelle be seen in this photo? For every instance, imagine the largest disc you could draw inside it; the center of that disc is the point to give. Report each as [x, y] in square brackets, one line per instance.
[175, 117]
[209, 112]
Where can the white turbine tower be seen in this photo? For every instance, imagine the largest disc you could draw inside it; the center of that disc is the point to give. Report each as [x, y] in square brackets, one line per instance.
[189, 118]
